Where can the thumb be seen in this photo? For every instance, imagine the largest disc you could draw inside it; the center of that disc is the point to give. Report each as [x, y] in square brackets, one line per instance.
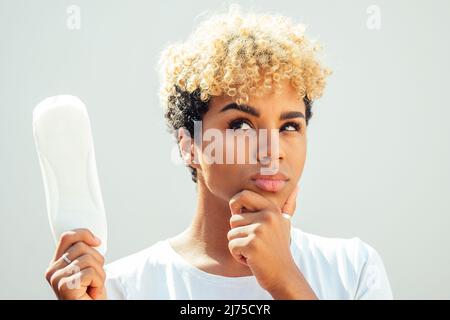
[290, 204]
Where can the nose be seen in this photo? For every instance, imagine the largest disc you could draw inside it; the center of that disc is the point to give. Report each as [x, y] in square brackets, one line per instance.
[269, 146]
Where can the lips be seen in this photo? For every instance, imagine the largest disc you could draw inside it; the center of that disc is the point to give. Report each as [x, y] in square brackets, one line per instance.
[270, 183]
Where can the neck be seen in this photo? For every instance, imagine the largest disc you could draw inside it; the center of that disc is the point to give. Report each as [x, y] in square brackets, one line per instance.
[207, 233]
[211, 223]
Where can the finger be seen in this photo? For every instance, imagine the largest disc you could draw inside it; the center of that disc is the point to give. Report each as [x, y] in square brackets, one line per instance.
[90, 278]
[69, 282]
[82, 262]
[60, 274]
[243, 219]
[240, 232]
[96, 293]
[291, 202]
[250, 201]
[86, 261]
[238, 249]
[68, 238]
[75, 251]
[81, 248]
[87, 278]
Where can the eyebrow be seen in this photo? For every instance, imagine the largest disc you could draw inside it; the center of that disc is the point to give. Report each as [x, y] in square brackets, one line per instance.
[291, 115]
[252, 111]
[241, 107]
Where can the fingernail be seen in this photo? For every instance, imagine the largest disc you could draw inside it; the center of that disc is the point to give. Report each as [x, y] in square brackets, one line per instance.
[97, 239]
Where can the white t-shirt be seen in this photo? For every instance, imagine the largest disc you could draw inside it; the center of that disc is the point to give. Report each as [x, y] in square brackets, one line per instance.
[334, 268]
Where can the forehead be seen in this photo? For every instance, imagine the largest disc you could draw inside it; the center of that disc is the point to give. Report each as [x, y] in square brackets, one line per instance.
[283, 99]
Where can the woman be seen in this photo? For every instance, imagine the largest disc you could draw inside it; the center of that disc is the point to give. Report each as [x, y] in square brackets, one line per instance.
[235, 76]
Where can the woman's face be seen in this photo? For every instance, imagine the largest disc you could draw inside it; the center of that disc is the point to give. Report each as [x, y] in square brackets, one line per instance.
[284, 113]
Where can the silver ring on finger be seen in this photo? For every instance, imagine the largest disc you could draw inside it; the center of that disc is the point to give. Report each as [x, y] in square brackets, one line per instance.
[66, 259]
[286, 215]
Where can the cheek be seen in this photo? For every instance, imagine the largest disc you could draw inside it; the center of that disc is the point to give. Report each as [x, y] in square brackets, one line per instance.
[219, 179]
[219, 166]
[296, 156]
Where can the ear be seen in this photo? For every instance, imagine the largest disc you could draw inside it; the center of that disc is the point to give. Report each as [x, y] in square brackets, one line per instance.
[186, 145]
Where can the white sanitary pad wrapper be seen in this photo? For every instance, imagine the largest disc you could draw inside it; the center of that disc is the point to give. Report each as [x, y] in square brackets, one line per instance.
[63, 137]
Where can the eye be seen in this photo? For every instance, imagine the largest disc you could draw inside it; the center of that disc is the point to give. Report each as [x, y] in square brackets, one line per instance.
[291, 126]
[240, 124]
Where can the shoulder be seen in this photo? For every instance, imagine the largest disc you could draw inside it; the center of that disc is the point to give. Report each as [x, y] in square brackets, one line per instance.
[351, 249]
[351, 264]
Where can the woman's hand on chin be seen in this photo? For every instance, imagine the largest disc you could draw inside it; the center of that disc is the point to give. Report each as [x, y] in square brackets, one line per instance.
[260, 239]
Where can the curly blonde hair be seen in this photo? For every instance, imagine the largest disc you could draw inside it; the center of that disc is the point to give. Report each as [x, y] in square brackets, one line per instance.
[237, 55]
